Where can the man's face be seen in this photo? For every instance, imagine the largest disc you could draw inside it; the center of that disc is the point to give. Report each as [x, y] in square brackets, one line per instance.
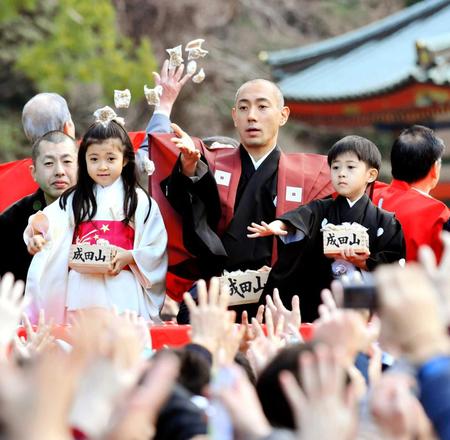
[258, 115]
[56, 168]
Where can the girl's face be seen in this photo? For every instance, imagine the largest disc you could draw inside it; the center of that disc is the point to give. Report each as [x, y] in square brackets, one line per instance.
[105, 161]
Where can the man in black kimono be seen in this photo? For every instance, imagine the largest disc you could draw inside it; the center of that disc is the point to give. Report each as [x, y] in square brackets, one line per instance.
[54, 168]
[258, 114]
[214, 228]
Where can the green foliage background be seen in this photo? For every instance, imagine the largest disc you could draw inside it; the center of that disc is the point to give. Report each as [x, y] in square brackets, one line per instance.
[68, 47]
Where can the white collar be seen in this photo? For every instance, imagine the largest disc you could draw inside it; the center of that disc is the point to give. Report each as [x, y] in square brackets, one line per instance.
[421, 191]
[117, 184]
[354, 201]
[257, 163]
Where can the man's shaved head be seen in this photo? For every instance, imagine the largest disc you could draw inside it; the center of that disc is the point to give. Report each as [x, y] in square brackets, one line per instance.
[276, 89]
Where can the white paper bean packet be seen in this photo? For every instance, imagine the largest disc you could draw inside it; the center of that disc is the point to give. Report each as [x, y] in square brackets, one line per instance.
[199, 77]
[191, 67]
[148, 166]
[153, 95]
[194, 49]
[122, 98]
[175, 56]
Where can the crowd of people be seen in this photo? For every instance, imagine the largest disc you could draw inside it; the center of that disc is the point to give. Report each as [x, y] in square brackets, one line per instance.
[374, 364]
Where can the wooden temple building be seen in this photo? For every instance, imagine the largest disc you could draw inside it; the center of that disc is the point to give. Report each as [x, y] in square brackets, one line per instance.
[392, 73]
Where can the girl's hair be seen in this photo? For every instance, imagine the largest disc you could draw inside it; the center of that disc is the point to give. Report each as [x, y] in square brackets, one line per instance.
[84, 204]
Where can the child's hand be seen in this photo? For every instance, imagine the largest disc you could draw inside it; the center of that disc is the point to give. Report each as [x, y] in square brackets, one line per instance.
[277, 227]
[36, 243]
[357, 259]
[122, 259]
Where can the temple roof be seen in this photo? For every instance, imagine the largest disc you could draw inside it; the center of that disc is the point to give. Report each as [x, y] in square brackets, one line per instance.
[410, 46]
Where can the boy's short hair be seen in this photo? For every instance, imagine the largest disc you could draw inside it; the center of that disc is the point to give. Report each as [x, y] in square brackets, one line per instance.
[365, 150]
[414, 152]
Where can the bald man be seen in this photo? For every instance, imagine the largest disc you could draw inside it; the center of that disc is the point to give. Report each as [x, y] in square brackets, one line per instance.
[54, 168]
[48, 126]
[219, 196]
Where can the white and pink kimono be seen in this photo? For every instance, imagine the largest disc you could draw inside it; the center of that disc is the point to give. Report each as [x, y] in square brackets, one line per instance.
[140, 287]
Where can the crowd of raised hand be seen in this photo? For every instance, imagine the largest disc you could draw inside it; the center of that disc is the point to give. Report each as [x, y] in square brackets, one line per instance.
[379, 376]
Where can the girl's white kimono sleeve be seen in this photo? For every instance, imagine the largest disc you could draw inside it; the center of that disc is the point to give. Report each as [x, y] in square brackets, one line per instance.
[150, 253]
[46, 286]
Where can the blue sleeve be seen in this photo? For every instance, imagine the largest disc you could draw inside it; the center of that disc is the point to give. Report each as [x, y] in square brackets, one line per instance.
[434, 382]
[292, 237]
[158, 123]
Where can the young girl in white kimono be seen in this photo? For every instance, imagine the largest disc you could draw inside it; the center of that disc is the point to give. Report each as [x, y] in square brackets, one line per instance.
[106, 204]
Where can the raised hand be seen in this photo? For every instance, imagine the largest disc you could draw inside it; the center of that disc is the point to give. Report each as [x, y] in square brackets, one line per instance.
[278, 310]
[141, 326]
[11, 307]
[36, 341]
[323, 391]
[405, 293]
[345, 329]
[135, 417]
[209, 319]
[396, 411]
[328, 306]
[242, 403]
[232, 340]
[110, 347]
[249, 334]
[264, 348]
[438, 273]
[172, 81]
[41, 394]
[277, 227]
[189, 153]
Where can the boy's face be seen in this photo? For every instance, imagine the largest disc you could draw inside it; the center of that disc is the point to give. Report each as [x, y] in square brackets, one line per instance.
[350, 176]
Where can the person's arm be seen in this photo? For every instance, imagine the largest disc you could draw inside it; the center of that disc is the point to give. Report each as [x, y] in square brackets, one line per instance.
[390, 246]
[149, 254]
[405, 293]
[172, 81]
[434, 382]
[192, 191]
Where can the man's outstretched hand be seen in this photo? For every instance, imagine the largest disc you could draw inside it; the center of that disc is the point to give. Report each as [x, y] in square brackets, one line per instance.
[189, 154]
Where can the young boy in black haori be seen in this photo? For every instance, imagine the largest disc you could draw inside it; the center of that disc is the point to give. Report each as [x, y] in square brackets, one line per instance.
[302, 267]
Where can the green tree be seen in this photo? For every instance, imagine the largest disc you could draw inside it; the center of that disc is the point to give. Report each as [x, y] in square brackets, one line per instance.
[73, 47]
[11, 8]
[83, 45]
